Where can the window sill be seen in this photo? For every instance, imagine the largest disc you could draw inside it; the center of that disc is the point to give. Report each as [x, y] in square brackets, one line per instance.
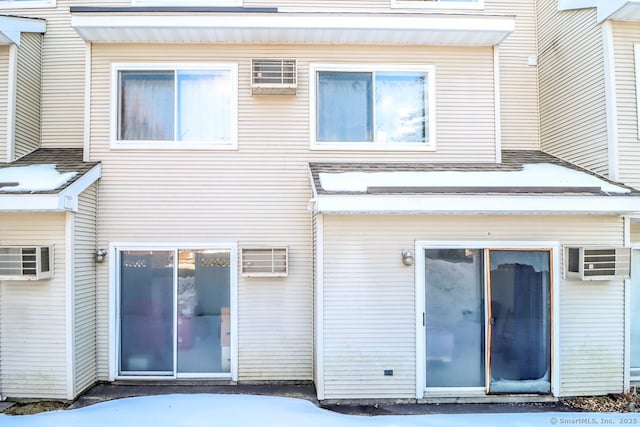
[174, 146]
[421, 4]
[319, 146]
[36, 4]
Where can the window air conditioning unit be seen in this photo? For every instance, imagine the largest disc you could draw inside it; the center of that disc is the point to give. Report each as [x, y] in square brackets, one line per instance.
[273, 77]
[26, 262]
[597, 263]
[265, 262]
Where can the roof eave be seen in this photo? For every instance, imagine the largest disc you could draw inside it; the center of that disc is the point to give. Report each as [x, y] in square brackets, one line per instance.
[477, 204]
[303, 28]
[65, 200]
[11, 28]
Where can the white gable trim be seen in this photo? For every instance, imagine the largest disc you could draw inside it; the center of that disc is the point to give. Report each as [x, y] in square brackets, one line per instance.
[66, 200]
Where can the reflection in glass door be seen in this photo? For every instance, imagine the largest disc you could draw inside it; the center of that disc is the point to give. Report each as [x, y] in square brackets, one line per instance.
[174, 317]
[454, 318]
[520, 321]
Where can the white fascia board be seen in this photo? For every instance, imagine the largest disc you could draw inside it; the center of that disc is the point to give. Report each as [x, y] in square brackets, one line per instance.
[66, 200]
[476, 204]
[11, 27]
[467, 30]
[608, 8]
[576, 4]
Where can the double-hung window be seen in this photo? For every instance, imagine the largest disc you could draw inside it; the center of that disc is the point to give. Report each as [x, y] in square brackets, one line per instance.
[371, 107]
[175, 107]
[439, 4]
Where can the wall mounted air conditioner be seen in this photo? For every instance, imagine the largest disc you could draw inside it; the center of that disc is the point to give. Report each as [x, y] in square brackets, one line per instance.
[597, 263]
[274, 77]
[265, 262]
[26, 262]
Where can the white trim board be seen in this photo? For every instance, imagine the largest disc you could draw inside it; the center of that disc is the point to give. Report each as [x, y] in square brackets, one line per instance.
[475, 204]
[286, 28]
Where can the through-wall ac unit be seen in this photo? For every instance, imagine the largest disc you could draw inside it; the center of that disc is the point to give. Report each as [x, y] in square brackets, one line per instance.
[274, 77]
[265, 262]
[26, 262]
[597, 263]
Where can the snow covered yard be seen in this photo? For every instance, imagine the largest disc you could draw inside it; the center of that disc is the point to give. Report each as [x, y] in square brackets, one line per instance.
[204, 410]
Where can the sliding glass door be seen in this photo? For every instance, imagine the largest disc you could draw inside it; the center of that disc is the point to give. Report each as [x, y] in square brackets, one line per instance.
[174, 312]
[488, 319]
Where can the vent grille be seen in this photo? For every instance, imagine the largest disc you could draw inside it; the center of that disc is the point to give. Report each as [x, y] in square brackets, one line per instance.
[25, 262]
[597, 263]
[274, 76]
[265, 262]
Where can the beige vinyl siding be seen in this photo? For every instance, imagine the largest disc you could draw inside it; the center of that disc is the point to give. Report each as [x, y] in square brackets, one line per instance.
[4, 101]
[369, 300]
[518, 80]
[32, 314]
[572, 86]
[28, 89]
[625, 36]
[85, 291]
[259, 194]
[63, 54]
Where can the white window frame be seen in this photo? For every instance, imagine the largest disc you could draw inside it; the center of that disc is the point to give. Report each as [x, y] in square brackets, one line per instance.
[27, 4]
[173, 145]
[438, 4]
[187, 3]
[114, 303]
[429, 145]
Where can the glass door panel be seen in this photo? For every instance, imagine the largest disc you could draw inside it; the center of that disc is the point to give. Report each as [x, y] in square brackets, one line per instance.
[520, 321]
[203, 311]
[454, 283]
[146, 312]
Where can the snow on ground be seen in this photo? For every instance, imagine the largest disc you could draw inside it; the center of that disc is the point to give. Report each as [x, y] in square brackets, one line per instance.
[34, 178]
[531, 175]
[211, 410]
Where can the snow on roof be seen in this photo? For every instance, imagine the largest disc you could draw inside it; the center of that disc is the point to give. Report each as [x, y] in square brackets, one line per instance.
[42, 177]
[531, 175]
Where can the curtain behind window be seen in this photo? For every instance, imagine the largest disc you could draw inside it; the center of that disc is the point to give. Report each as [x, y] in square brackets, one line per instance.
[345, 111]
[146, 105]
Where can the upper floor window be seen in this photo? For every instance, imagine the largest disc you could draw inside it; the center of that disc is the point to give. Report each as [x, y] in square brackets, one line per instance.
[26, 4]
[166, 107]
[439, 4]
[369, 107]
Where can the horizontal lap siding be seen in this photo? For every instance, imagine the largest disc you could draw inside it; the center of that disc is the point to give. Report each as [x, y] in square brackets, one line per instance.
[572, 86]
[518, 80]
[369, 300]
[4, 85]
[28, 89]
[32, 314]
[625, 36]
[259, 194]
[85, 291]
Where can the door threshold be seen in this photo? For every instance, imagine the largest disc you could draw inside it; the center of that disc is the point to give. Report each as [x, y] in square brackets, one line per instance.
[176, 382]
[490, 398]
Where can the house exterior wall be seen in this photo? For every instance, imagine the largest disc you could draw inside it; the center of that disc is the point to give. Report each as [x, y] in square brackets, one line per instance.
[84, 301]
[4, 100]
[573, 117]
[362, 263]
[28, 89]
[221, 195]
[33, 353]
[625, 35]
